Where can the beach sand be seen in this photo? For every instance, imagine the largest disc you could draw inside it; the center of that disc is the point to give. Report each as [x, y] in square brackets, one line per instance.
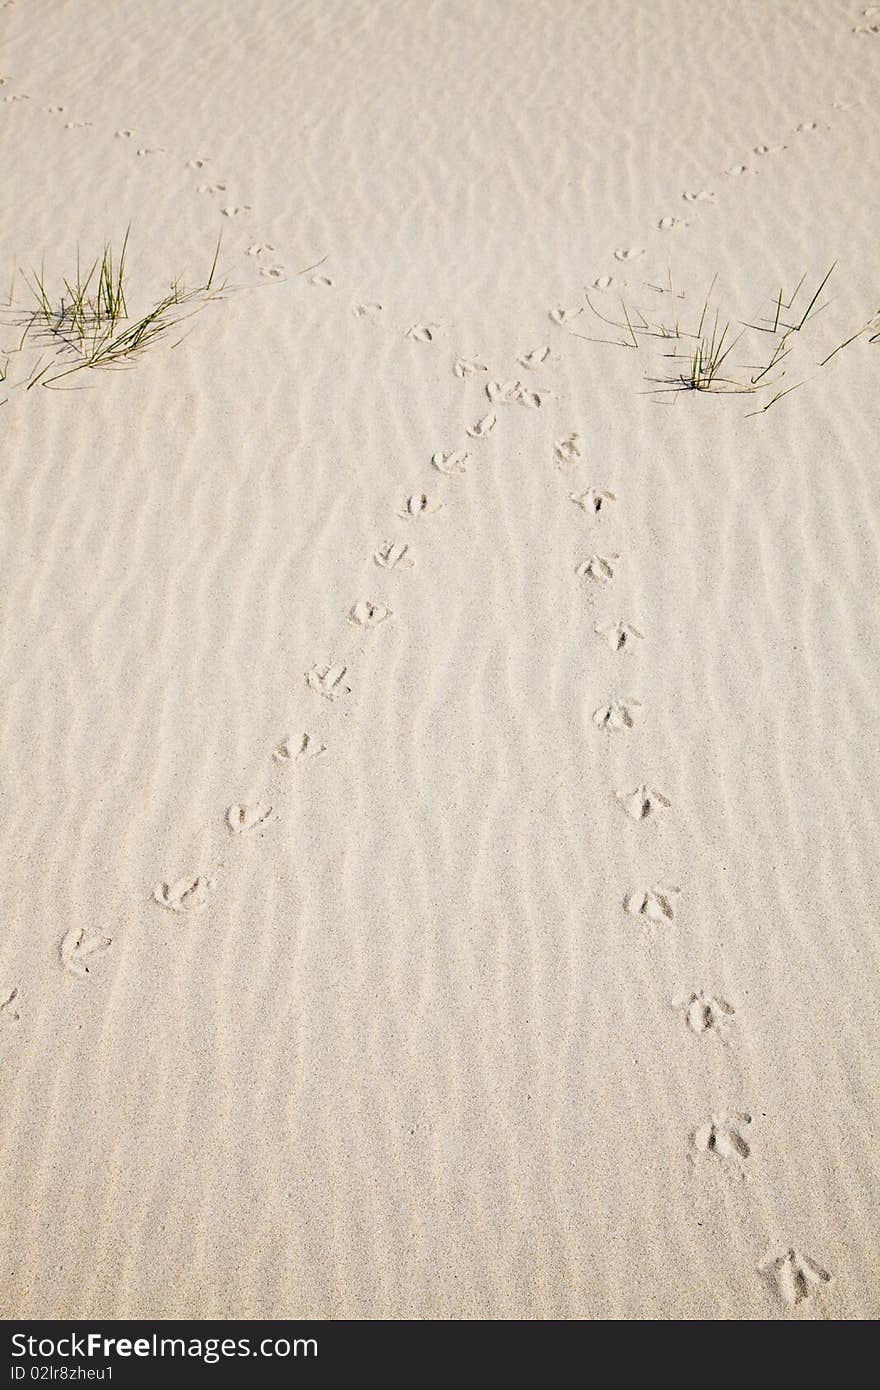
[432, 1036]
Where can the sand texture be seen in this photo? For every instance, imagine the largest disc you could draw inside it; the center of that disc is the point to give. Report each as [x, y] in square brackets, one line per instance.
[440, 758]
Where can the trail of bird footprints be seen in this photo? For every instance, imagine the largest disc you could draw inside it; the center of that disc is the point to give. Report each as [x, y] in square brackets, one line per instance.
[722, 1139]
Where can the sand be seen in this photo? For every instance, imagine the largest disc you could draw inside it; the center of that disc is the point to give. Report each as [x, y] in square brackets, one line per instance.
[426, 1032]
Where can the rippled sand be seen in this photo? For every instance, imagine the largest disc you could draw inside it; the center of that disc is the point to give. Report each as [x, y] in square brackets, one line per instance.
[432, 1035]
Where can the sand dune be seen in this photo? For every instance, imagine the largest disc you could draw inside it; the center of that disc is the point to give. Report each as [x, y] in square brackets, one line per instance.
[440, 764]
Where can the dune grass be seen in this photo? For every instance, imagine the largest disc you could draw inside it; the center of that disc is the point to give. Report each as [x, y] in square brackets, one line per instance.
[704, 358]
[86, 325]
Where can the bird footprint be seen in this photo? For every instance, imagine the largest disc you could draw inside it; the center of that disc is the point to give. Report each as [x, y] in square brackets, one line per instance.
[534, 359]
[303, 747]
[186, 895]
[599, 568]
[616, 716]
[455, 461]
[77, 947]
[643, 802]
[482, 427]
[723, 1138]
[468, 366]
[796, 1276]
[423, 332]
[240, 818]
[593, 500]
[8, 1012]
[562, 316]
[618, 635]
[418, 504]
[368, 614]
[567, 449]
[328, 681]
[393, 555]
[654, 904]
[704, 1013]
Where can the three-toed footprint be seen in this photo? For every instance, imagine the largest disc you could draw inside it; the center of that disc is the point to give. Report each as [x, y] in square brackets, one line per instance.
[616, 716]
[795, 1275]
[8, 1008]
[654, 904]
[76, 948]
[418, 504]
[642, 802]
[594, 500]
[303, 747]
[704, 1013]
[598, 568]
[721, 1137]
[619, 635]
[365, 613]
[240, 818]
[328, 680]
[188, 894]
[393, 555]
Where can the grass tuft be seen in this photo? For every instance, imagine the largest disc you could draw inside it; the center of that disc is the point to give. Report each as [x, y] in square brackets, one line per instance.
[87, 325]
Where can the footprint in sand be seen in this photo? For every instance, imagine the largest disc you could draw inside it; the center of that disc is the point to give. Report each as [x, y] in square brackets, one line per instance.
[806, 126]
[54, 110]
[146, 150]
[211, 188]
[515, 393]
[76, 948]
[536, 358]
[769, 149]
[236, 209]
[629, 253]
[188, 894]
[323, 281]
[392, 555]
[598, 568]
[482, 427]
[241, 818]
[468, 366]
[304, 747]
[567, 449]
[619, 635]
[704, 1013]
[594, 500]
[653, 904]
[79, 125]
[198, 163]
[643, 802]
[328, 680]
[617, 716]
[736, 171]
[604, 282]
[365, 613]
[272, 272]
[668, 224]
[366, 311]
[722, 1137]
[455, 461]
[702, 195]
[796, 1276]
[259, 248]
[9, 1014]
[562, 316]
[423, 332]
[417, 505]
